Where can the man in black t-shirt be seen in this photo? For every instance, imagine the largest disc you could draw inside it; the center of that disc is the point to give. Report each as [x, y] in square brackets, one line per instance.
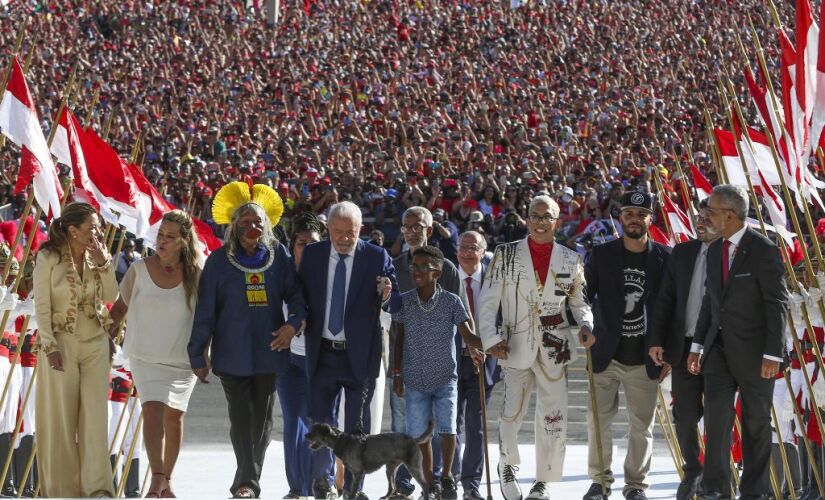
[623, 278]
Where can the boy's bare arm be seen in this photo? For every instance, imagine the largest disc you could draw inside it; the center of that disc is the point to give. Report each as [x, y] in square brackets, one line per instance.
[466, 330]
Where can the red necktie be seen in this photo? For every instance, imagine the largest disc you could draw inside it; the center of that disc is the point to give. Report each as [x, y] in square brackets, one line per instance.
[470, 298]
[725, 260]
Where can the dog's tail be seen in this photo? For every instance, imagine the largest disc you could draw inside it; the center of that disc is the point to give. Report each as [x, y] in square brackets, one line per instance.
[428, 434]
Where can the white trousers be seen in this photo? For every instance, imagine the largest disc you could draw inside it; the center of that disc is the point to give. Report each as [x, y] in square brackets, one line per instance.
[28, 414]
[123, 437]
[550, 383]
[8, 414]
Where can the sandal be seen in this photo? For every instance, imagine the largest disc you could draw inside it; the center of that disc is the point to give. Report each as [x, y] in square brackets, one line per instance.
[155, 494]
[167, 492]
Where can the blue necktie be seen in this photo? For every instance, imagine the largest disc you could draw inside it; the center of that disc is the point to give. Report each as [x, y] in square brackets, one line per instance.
[336, 306]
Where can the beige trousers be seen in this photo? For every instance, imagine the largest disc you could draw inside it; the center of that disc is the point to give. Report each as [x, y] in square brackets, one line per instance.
[72, 421]
[640, 393]
[550, 383]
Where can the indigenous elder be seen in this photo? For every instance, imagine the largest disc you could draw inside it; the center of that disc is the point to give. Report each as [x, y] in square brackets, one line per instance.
[347, 282]
[623, 280]
[239, 311]
[73, 280]
[532, 281]
[160, 294]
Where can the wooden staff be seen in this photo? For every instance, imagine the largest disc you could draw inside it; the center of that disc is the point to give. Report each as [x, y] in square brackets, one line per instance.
[482, 388]
[685, 192]
[800, 422]
[145, 482]
[120, 421]
[596, 425]
[128, 465]
[674, 453]
[785, 464]
[122, 446]
[108, 127]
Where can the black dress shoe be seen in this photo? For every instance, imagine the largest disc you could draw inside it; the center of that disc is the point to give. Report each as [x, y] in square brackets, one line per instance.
[714, 495]
[635, 495]
[688, 488]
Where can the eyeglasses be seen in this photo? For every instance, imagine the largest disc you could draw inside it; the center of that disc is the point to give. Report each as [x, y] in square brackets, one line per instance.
[538, 219]
[473, 249]
[415, 229]
[415, 268]
[712, 211]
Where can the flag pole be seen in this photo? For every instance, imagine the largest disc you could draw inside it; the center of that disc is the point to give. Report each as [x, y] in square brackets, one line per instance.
[685, 192]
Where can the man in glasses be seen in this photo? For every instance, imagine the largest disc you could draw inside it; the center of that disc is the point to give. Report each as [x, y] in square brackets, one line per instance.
[677, 310]
[471, 271]
[530, 283]
[623, 281]
[417, 228]
[740, 333]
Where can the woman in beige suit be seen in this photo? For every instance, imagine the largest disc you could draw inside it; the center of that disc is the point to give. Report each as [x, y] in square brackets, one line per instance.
[73, 281]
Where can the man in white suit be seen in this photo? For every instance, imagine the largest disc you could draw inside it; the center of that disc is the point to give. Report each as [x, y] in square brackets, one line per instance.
[531, 282]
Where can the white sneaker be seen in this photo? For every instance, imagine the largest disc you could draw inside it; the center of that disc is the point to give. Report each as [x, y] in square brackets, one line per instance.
[539, 491]
[507, 479]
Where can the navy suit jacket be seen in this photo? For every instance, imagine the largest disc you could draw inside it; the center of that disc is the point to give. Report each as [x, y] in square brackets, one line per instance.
[605, 291]
[362, 326]
[492, 372]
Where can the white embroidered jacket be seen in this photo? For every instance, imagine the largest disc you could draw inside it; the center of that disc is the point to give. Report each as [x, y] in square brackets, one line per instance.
[533, 319]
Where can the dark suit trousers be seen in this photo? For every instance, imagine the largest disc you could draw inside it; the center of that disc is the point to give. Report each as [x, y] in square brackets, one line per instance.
[469, 467]
[723, 375]
[251, 401]
[334, 374]
[687, 411]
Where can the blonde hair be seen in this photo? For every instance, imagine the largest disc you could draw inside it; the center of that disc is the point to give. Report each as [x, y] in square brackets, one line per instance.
[74, 214]
[188, 252]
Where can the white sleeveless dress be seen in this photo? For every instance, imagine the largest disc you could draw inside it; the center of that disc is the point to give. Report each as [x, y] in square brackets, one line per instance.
[158, 326]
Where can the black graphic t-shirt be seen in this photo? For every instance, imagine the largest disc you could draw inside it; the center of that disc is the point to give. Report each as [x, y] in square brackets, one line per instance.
[631, 349]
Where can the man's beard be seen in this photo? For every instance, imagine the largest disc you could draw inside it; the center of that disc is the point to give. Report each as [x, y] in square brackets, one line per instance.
[633, 233]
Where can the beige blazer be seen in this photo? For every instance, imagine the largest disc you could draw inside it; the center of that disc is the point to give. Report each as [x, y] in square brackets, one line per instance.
[59, 296]
[511, 287]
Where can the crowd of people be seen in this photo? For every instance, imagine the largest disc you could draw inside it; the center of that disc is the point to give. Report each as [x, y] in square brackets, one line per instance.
[390, 105]
[455, 152]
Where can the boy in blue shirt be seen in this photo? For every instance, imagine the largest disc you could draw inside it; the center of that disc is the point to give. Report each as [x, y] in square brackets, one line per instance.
[425, 372]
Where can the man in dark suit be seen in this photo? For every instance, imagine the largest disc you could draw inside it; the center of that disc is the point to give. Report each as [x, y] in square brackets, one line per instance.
[677, 310]
[343, 333]
[623, 280]
[740, 330]
[471, 270]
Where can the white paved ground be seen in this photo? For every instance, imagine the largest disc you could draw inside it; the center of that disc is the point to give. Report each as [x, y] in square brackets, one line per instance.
[206, 472]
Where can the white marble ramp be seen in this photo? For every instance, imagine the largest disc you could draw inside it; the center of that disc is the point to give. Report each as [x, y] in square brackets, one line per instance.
[206, 472]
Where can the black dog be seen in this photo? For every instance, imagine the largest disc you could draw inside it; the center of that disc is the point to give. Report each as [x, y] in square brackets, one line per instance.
[363, 455]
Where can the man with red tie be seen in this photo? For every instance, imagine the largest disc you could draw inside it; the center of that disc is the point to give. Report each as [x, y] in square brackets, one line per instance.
[740, 336]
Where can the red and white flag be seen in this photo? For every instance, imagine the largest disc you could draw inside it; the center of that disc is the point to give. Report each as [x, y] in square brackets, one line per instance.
[68, 151]
[680, 224]
[109, 173]
[20, 123]
[807, 46]
[701, 183]
[818, 115]
[776, 209]
[759, 156]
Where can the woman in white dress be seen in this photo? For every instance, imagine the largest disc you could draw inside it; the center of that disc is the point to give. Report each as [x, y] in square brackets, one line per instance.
[159, 294]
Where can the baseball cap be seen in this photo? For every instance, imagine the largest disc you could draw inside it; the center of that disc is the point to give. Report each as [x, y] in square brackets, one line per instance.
[637, 199]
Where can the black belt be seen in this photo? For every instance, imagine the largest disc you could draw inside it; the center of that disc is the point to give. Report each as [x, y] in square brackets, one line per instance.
[335, 345]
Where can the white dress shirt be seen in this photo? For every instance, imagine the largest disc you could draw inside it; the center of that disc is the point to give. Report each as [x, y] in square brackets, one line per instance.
[697, 290]
[734, 240]
[475, 286]
[333, 263]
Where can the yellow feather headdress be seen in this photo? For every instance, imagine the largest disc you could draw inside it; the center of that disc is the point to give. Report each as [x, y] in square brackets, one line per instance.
[235, 194]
